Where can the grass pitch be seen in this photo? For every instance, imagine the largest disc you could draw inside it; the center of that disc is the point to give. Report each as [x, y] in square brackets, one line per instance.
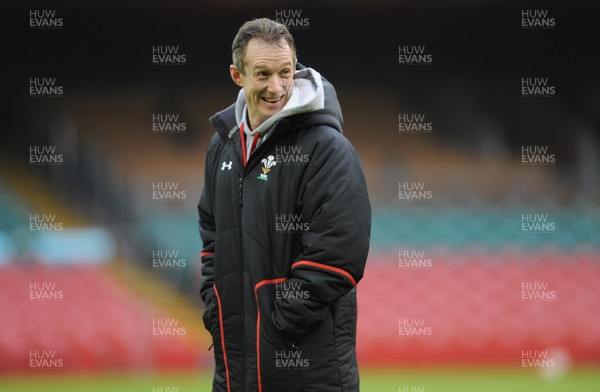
[372, 380]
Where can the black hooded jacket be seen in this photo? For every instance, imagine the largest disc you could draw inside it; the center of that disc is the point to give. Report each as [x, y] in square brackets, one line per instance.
[284, 245]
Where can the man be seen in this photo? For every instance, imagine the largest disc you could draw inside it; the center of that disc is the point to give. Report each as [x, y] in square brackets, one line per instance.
[285, 222]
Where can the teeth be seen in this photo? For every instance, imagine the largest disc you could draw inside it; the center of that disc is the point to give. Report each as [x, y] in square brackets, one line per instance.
[272, 100]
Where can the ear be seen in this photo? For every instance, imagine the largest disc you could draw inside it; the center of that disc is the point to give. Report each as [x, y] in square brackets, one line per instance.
[236, 75]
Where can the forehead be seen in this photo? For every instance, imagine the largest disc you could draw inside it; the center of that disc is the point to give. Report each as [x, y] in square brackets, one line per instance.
[260, 53]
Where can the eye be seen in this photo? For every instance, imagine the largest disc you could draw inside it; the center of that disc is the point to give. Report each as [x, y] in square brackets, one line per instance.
[285, 72]
[262, 75]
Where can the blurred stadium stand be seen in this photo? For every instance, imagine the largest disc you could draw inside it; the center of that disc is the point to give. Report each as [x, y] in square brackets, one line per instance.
[95, 323]
[472, 302]
[471, 228]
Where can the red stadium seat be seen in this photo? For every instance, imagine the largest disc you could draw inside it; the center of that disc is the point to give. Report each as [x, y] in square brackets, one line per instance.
[95, 324]
[472, 304]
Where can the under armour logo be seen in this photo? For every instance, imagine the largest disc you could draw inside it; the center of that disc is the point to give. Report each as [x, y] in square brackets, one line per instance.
[226, 165]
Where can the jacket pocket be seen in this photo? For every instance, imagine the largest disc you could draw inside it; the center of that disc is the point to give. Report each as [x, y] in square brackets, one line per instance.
[278, 358]
[213, 322]
[265, 293]
[210, 317]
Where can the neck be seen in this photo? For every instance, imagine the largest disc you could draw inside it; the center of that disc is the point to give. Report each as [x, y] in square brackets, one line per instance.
[252, 122]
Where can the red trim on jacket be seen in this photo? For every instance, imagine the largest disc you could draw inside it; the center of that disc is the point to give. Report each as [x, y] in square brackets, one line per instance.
[222, 337]
[203, 254]
[256, 287]
[243, 141]
[325, 267]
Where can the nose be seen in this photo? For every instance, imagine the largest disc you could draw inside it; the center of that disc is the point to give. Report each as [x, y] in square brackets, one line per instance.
[275, 85]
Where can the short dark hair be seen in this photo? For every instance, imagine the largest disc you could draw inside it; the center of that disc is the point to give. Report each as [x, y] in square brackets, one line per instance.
[264, 29]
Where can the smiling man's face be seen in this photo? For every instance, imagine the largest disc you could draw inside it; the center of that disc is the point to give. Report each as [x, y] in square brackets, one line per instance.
[267, 79]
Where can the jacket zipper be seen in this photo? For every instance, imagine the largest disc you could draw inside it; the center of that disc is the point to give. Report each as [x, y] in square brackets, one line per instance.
[241, 204]
[241, 188]
[243, 276]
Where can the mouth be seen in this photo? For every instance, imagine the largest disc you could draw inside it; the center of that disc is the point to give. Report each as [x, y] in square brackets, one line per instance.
[272, 100]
